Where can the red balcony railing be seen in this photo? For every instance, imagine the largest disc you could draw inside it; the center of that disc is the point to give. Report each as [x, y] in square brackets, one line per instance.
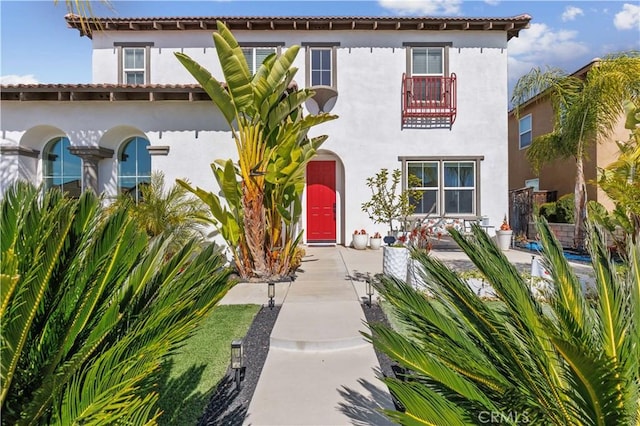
[429, 98]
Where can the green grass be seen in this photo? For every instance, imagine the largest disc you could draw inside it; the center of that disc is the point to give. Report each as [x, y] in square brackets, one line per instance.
[192, 373]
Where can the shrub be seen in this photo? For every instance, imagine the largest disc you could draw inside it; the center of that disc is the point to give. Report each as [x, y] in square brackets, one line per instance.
[560, 211]
[571, 361]
[91, 308]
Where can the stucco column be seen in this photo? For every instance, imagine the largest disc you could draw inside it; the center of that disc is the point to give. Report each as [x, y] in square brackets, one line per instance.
[90, 155]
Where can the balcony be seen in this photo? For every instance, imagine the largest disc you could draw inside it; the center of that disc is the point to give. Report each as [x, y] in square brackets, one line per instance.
[428, 102]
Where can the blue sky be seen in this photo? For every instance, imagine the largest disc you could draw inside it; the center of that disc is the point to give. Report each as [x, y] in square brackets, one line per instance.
[37, 47]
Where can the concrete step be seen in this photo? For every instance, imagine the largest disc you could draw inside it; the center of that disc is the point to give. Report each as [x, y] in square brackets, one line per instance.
[322, 326]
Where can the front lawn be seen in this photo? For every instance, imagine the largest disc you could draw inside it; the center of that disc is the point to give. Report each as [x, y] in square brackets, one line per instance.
[193, 372]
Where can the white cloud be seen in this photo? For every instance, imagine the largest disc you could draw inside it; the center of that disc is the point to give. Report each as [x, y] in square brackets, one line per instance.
[18, 79]
[492, 2]
[628, 18]
[571, 12]
[541, 46]
[423, 7]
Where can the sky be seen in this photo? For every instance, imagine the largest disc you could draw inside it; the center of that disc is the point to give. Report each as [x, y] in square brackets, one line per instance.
[37, 47]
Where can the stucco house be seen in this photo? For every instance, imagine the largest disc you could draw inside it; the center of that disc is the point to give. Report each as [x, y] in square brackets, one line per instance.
[427, 95]
[536, 118]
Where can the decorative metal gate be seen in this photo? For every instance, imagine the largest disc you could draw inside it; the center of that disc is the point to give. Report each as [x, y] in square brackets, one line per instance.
[520, 210]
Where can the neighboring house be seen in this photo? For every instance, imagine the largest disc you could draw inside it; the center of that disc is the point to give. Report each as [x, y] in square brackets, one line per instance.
[535, 119]
[427, 95]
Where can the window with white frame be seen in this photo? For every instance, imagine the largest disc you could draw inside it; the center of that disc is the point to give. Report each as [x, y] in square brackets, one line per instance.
[427, 61]
[427, 67]
[427, 182]
[532, 183]
[448, 186]
[134, 166]
[524, 127]
[133, 65]
[255, 56]
[61, 169]
[321, 66]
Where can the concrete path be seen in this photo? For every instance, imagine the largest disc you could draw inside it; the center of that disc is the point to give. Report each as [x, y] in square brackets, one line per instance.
[319, 370]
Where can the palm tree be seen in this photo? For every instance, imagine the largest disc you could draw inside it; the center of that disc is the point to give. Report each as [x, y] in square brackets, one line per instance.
[171, 210]
[263, 191]
[468, 360]
[585, 110]
[90, 309]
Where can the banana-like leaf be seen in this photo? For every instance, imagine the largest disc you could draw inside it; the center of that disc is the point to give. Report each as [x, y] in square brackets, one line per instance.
[213, 87]
[235, 69]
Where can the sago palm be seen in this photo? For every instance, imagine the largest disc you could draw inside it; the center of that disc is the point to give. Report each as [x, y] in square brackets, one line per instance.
[264, 114]
[90, 309]
[585, 110]
[172, 210]
[517, 360]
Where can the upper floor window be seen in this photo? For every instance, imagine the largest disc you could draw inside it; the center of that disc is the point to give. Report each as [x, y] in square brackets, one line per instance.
[62, 169]
[321, 68]
[134, 166]
[524, 126]
[255, 56]
[321, 64]
[448, 187]
[134, 65]
[427, 61]
[532, 183]
[133, 62]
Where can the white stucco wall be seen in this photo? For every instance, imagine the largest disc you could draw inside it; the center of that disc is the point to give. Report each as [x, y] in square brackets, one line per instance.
[367, 136]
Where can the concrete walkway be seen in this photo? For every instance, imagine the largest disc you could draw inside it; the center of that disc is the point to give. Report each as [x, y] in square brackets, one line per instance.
[319, 370]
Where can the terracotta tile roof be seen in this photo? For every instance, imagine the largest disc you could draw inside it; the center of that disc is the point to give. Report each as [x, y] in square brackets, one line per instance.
[107, 92]
[511, 25]
[102, 92]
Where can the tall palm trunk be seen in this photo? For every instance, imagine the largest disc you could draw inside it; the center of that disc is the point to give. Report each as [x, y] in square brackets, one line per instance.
[580, 202]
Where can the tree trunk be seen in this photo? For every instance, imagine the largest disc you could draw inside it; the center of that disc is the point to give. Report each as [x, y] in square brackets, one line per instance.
[254, 227]
[580, 203]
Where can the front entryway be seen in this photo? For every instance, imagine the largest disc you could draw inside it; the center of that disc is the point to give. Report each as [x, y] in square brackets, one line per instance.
[321, 202]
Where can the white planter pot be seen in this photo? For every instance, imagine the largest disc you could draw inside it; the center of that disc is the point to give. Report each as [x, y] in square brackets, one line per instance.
[375, 243]
[415, 272]
[394, 262]
[503, 238]
[360, 241]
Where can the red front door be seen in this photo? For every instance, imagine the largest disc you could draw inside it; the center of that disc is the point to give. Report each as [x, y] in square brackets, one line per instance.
[321, 202]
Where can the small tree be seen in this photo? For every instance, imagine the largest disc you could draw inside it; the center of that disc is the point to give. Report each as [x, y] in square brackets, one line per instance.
[386, 203]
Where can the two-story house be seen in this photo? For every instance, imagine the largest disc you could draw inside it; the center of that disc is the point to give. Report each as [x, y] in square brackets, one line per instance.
[427, 95]
[557, 178]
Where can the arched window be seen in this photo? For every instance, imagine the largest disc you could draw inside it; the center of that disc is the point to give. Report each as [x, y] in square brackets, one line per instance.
[62, 169]
[134, 166]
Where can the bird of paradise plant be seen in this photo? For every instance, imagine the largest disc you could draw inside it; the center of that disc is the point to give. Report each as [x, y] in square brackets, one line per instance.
[263, 190]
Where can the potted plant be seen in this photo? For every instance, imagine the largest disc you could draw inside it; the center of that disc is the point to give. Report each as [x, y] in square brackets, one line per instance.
[360, 238]
[375, 242]
[419, 240]
[387, 203]
[395, 259]
[504, 234]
